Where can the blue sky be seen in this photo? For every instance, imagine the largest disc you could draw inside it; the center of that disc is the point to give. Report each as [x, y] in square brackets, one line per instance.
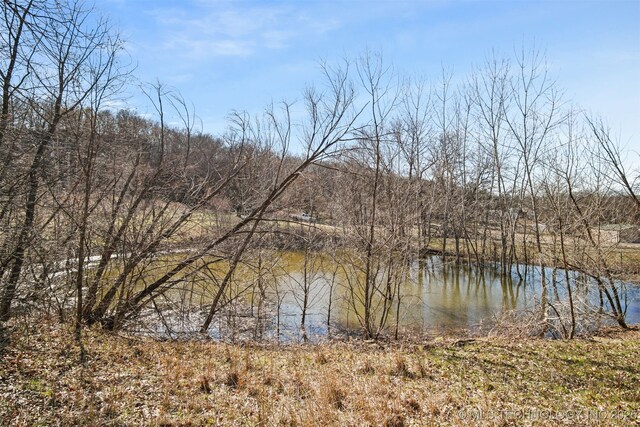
[224, 55]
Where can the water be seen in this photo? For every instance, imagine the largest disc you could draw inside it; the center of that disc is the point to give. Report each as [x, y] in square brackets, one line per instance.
[436, 297]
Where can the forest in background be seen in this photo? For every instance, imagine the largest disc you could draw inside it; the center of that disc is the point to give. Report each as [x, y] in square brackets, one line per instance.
[105, 214]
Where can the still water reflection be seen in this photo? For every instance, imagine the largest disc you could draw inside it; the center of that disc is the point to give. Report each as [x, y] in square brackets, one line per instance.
[435, 296]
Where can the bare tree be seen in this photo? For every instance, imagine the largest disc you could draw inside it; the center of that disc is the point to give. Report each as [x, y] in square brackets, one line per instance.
[608, 151]
[72, 62]
[330, 121]
[531, 118]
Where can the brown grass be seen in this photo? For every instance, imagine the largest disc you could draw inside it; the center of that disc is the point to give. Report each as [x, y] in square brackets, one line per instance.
[134, 381]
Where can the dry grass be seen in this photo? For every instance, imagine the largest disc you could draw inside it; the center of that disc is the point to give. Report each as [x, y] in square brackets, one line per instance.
[133, 381]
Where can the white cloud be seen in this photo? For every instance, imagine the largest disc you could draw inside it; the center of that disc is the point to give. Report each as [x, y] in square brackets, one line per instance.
[115, 104]
[217, 29]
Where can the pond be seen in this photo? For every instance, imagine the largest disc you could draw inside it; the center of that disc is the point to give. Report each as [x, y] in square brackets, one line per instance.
[440, 297]
[431, 296]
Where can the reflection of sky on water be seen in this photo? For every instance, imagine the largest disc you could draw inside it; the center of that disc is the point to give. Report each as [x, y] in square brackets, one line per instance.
[441, 297]
[435, 298]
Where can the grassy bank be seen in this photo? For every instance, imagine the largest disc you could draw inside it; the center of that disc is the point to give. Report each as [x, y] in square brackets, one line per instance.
[135, 381]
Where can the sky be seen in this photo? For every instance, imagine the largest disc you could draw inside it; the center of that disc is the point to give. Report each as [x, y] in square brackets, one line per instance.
[242, 55]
